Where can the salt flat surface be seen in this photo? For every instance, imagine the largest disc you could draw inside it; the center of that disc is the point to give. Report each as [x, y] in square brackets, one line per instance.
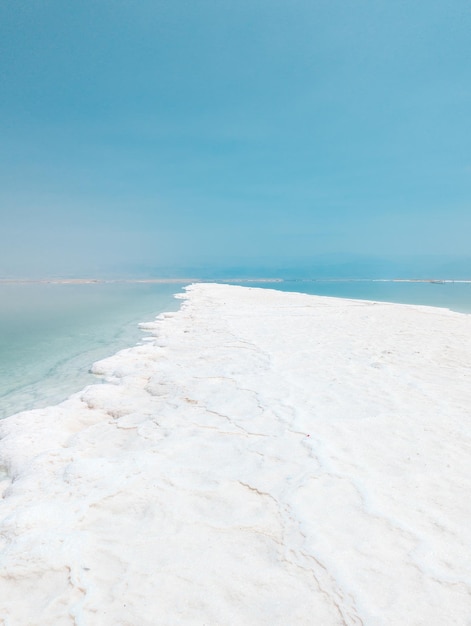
[265, 458]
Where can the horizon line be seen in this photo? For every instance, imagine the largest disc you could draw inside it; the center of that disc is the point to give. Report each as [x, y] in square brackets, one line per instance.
[93, 280]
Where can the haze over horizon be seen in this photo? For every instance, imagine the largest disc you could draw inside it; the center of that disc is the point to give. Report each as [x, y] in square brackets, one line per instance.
[323, 137]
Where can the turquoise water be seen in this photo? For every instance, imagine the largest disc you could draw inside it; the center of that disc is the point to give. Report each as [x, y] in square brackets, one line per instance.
[50, 334]
[455, 296]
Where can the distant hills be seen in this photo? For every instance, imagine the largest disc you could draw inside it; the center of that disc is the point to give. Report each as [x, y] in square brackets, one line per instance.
[321, 267]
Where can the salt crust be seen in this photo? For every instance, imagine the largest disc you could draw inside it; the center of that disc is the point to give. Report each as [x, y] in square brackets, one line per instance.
[268, 458]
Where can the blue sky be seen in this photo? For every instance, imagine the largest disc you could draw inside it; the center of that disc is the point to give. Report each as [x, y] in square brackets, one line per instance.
[138, 135]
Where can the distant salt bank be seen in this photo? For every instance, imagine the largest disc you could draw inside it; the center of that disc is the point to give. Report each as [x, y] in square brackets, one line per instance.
[265, 458]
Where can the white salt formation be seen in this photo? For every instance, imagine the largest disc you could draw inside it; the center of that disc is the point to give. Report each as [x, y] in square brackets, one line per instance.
[264, 459]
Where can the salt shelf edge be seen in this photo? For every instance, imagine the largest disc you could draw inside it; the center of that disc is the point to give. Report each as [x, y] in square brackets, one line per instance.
[267, 458]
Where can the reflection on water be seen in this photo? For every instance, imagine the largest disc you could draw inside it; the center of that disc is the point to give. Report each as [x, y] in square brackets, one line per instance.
[51, 334]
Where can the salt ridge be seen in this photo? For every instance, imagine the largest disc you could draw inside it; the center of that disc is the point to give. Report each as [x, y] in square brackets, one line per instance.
[264, 458]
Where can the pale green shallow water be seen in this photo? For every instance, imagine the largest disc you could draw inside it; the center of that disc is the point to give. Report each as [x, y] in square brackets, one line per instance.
[50, 334]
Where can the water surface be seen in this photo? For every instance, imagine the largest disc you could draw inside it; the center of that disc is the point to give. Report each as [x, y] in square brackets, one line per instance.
[451, 295]
[50, 334]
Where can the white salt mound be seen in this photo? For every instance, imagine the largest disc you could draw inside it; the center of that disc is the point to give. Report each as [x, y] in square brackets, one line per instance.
[266, 459]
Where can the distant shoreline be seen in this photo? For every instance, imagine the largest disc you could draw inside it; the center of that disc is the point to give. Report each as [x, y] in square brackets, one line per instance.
[101, 281]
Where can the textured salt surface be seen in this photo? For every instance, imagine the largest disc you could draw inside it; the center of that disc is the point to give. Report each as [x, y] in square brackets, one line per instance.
[265, 458]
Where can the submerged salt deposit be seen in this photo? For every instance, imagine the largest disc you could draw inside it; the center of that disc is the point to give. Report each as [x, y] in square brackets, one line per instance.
[264, 458]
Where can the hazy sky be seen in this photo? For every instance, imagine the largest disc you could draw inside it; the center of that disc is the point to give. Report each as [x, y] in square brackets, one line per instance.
[151, 133]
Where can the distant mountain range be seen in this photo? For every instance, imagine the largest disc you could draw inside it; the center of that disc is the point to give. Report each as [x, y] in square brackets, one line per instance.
[317, 267]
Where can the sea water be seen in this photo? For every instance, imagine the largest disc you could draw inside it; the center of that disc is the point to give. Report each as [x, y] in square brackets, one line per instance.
[50, 334]
[454, 295]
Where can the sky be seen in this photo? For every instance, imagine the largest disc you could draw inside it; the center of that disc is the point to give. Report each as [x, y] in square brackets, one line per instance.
[147, 136]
